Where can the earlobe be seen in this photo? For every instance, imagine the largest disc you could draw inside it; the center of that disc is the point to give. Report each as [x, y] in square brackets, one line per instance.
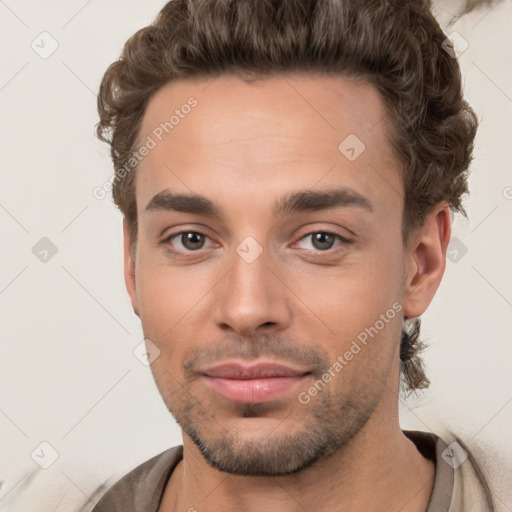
[426, 260]
[129, 267]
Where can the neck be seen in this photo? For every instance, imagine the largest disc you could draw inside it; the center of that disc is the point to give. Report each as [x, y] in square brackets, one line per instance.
[379, 469]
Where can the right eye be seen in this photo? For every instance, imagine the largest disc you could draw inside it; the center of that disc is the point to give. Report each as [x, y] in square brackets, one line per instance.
[190, 241]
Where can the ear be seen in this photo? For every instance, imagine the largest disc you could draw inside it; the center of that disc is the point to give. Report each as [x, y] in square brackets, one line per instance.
[129, 267]
[426, 260]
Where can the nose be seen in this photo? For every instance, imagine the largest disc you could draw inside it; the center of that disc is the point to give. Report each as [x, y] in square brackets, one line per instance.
[252, 298]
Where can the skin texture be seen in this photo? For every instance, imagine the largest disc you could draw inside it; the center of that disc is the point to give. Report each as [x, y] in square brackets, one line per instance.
[246, 146]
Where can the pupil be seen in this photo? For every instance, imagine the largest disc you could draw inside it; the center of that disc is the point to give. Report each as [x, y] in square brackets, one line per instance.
[323, 240]
[192, 240]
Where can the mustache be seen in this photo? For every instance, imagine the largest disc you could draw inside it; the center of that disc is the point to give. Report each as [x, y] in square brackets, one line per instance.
[269, 346]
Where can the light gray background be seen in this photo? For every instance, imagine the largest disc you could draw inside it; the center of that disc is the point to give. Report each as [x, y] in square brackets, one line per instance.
[67, 330]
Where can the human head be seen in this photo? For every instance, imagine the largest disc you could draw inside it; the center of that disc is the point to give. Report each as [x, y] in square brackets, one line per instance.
[394, 46]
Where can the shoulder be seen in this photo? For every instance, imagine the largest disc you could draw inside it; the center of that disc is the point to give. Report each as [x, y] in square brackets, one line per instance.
[471, 490]
[459, 481]
[143, 487]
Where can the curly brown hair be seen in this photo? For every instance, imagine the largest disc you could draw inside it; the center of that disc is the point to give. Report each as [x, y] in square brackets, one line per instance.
[395, 45]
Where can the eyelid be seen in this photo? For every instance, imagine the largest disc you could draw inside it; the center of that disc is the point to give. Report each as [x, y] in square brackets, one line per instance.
[167, 238]
[344, 240]
[166, 241]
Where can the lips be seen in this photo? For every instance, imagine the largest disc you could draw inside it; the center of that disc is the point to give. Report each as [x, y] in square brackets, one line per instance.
[257, 371]
[256, 383]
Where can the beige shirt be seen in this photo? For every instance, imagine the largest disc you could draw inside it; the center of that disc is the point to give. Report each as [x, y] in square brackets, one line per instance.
[457, 486]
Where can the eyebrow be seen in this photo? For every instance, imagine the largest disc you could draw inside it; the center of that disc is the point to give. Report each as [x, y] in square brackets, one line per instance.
[186, 203]
[309, 200]
[301, 201]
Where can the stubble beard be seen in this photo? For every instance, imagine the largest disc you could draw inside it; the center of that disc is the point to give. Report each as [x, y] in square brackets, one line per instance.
[302, 437]
[324, 427]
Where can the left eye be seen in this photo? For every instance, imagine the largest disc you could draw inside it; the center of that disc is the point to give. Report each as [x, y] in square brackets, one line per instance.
[189, 240]
[322, 240]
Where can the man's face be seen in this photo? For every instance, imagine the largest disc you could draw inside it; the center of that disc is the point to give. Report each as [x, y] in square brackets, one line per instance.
[254, 283]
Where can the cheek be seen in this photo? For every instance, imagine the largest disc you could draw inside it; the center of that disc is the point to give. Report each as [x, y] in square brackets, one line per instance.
[156, 277]
[175, 306]
[352, 297]
[164, 295]
[358, 307]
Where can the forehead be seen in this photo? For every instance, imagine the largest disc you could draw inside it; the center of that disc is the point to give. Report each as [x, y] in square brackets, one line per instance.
[276, 134]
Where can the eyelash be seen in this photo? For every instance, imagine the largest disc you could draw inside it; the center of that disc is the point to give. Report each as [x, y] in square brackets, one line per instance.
[344, 241]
